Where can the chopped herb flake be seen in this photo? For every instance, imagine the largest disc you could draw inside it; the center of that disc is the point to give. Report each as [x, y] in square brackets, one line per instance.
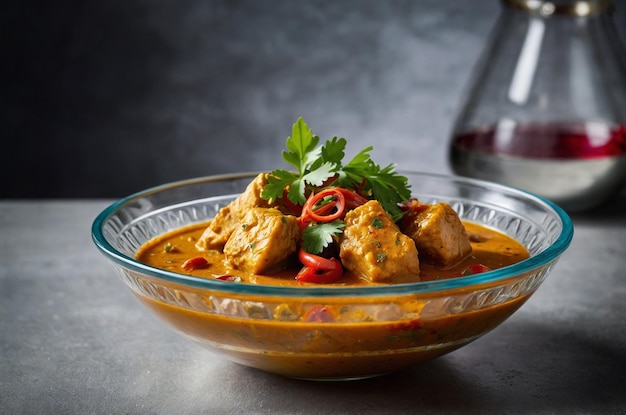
[377, 223]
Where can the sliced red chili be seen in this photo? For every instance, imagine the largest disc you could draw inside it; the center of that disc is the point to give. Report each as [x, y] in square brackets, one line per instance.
[316, 261]
[324, 213]
[318, 269]
[320, 276]
[353, 199]
[335, 201]
[319, 314]
[475, 269]
[227, 277]
[195, 263]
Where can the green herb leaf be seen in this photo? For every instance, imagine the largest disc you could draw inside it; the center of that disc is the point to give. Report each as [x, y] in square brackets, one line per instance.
[320, 175]
[333, 150]
[377, 223]
[383, 184]
[318, 236]
[316, 165]
[302, 146]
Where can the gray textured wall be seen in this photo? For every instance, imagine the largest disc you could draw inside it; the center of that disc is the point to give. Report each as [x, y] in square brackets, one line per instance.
[105, 98]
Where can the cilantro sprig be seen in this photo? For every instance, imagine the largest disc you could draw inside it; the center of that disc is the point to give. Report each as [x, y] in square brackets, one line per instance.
[314, 164]
[382, 184]
[322, 165]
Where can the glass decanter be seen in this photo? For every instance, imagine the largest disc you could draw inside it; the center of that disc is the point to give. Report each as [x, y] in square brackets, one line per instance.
[546, 105]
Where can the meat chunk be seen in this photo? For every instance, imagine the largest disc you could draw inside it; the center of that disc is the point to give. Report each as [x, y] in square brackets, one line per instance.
[373, 247]
[439, 235]
[229, 217]
[263, 241]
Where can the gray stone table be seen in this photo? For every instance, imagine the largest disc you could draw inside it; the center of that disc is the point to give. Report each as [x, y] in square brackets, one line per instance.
[97, 93]
[73, 340]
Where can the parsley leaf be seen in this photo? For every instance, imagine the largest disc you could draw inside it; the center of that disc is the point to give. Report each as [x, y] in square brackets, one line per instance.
[318, 236]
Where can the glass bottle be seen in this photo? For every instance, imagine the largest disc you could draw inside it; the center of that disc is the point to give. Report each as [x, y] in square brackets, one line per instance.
[546, 106]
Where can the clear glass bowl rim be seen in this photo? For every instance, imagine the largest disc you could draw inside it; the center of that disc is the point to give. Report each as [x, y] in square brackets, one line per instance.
[547, 256]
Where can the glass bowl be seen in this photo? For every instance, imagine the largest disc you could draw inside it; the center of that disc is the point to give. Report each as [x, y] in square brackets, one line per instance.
[373, 330]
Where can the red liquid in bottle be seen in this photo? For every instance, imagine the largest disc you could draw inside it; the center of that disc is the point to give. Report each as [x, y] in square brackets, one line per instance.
[551, 141]
[576, 165]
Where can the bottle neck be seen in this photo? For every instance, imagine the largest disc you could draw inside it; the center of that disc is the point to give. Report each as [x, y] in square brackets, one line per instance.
[562, 7]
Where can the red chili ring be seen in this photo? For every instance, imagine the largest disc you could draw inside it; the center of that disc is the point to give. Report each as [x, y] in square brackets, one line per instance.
[339, 204]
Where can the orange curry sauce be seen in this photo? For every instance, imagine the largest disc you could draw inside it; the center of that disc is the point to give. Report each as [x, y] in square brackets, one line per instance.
[490, 248]
[323, 338]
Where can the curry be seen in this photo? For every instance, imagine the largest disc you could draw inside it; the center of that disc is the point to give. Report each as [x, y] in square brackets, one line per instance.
[306, 338]
[341, 337]
[335, 340]
[337, 225]
[490, 249]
